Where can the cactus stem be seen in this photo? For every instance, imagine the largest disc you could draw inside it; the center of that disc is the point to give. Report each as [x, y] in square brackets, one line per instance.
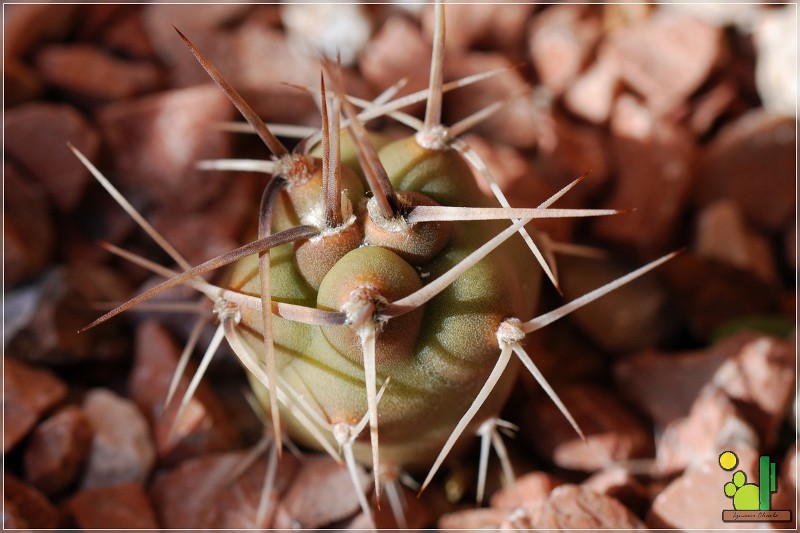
[416, 299]
[253, 366]
[480, 398]
[272, 143]
[183, 360]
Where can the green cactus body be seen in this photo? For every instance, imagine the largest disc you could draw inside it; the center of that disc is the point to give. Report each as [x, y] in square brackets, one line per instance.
[438, 356]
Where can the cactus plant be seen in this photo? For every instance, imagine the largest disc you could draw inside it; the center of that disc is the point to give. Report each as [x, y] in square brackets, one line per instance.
[382, 306]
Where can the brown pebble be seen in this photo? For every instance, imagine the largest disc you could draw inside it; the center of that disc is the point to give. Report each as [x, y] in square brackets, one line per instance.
[57, 450]
[613, 433]
[701, 289]
[711, 105]
[576, 507]
[321, 494]
[396, 52]
[666, 57]
[25, 26]
[22, 84]
[89, 73]
[760, 379]
[713, 424]
[206, 492]
[25, 507]
[756, 144]
[591, 96]
[36, 137]
[722, 233]
[472, 519]
[204, 426]
[64, 304]
[533, 487]
[30, 391]
[29, 234]
[517, 123]
[619, 483]
[157, 140]
[631, 318]
[202, 234]
[122, 448]
[664, 385]
[123, 506]
[696, 499]
[127, 36]
[561, 39]
[644, 146]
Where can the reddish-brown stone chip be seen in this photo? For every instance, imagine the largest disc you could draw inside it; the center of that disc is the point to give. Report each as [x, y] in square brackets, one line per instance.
[36, 137]
[117, 507]
[157, 140]
[643, 145]
[712, 425]
[613, 433]
[29, 393]
[204, 426]
[122, 448]
[561, 39]
[517, 123]
[28, 232]
[619, 483]
[88, 72]
[696, 499]
[752, 161]
[25, 507]
[576, 507]
[211, 492]
[665, 385]
[666, 57]
[321, 493]
[57, 450]
[533, 487]
[722, 233]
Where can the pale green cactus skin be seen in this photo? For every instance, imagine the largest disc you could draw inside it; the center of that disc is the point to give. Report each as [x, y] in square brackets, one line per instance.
[437, 372]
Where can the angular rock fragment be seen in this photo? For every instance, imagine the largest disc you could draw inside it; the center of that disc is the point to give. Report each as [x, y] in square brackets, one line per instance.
[25, 507]
[204, 426]
[613, 433]
[35, 129]
[122, 448]
[124, 506]
[57, 449]
[89, 73]
[30, 392]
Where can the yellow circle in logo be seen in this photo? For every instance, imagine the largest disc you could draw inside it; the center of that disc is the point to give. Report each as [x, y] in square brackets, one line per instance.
[728, 460]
